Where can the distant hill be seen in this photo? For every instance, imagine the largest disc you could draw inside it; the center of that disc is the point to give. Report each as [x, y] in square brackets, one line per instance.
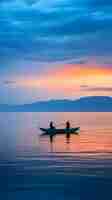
[84, 104]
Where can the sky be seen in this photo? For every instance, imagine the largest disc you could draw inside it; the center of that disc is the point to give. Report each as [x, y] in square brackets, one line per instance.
[55, 49]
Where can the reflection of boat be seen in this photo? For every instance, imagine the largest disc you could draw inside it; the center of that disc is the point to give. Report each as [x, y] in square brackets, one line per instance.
[55, 131]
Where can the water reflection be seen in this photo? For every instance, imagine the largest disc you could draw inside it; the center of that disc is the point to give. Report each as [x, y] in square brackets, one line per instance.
[20, 133]
[51, 138]
[68, 136]
[58, 161]
[52, 141]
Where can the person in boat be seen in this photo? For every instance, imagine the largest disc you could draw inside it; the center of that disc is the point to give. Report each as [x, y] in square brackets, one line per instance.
[68, 131]
[51, 125]
[67, 125]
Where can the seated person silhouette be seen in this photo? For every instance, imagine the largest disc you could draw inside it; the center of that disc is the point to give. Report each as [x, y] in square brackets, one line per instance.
[67, 131]
[67, 125]
[52, 127]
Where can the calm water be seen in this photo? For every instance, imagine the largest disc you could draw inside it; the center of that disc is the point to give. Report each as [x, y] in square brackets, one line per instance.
[78, 168]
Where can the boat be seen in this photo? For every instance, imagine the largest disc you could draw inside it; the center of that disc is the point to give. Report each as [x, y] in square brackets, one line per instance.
[55, 131]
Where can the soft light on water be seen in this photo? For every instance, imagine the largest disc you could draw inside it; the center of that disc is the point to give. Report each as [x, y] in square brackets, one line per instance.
[32, 162]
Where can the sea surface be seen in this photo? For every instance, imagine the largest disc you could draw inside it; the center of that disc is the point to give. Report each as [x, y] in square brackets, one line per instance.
[75, 168]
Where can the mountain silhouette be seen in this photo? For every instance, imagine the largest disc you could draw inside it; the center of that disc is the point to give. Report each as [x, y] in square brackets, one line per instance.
[84, 104]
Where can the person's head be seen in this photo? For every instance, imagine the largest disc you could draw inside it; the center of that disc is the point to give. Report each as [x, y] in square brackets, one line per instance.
[51, 124]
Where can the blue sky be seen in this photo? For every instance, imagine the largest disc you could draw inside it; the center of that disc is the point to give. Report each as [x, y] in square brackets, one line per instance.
[36, 36]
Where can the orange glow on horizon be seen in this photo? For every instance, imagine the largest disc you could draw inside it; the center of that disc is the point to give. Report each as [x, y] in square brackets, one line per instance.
[69, 79]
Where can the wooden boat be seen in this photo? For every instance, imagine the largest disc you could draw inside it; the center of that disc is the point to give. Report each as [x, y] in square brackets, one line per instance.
[55, 131]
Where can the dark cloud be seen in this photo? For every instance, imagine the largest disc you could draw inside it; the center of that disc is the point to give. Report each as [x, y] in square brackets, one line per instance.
[9, 82]
[87, 88]
[53, 31]
[101, 3]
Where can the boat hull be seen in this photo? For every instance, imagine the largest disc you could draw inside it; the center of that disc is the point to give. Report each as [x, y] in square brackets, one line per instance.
[60, 131]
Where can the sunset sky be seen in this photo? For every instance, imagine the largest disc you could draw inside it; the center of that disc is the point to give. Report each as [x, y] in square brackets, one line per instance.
[55, 49]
